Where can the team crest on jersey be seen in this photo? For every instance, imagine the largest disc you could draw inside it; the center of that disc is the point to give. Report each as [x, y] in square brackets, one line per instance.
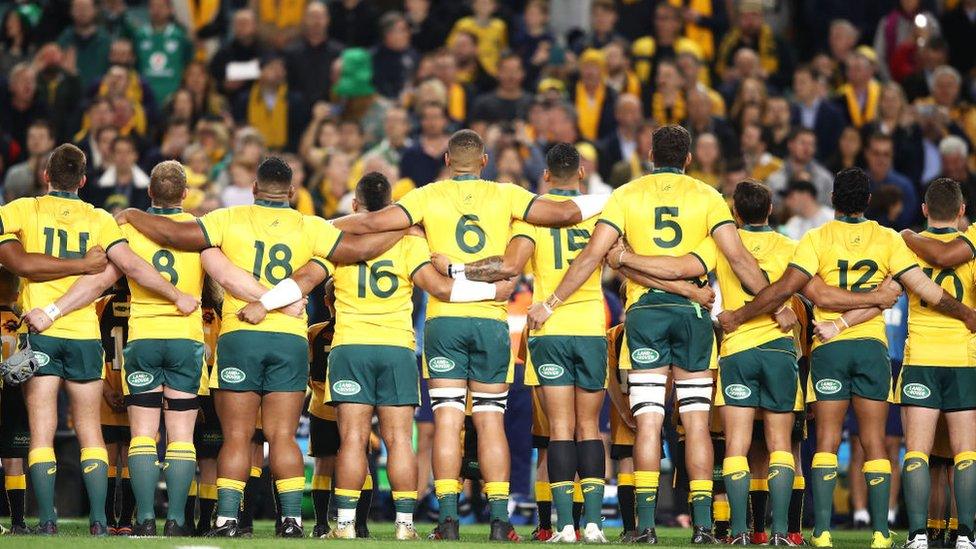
[346, 387]
[440, 364]
[232, 375]
[43, 359]
[738, 391]
[916, 391]
[645, 355]
[551, 371]
[828, 386]
[139, 379]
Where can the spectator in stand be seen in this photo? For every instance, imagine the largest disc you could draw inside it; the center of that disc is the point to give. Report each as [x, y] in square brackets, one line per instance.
[757, 161]
[279, 23]
[801, 164]
[955, 158]
[621, 143]
[313, 48]
[98, 115]
[858, 98]
[332, 190]
[776, 118]
[354, 22]
[619, 75]
[705, 23]
[458, 94]
[277, 112]
[946, 94]
[237, 64]
[164, 50]
[61, 90]
[806, 212]
[122, 53]
[16, 40]
[879, 154]
[692, 69]
[706, 163]
[470, 72]
[85, 42]
[603, 25]
[701, 119]
[592, 183]
[103, 139]
[207, 102]
[19, 180]
[665, 44]
[752, 32]
[509, 100]
[534, 42]
[959, 27]
[667, 103]
[356, 96]
[933, 54]
[428, 29]
[123, 182]
[811, 110]
[491, 33]
[638, 163]
[848, 153]
[396, 128]
[842, 40]
[21, 105]
[175, 139]
[421, 163]
[593, 99]
[899, 27]
[394, 60]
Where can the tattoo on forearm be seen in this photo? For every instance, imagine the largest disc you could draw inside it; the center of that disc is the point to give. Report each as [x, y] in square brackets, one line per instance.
[949, 306]
[489, 269]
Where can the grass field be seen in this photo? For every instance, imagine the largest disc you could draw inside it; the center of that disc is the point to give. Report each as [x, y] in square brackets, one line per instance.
[74, 534]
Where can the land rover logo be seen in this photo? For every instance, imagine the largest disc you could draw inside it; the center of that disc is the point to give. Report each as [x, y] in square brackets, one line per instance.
[916, 391]
[440, 364]
[232, 375]
[645, 355]
[551, 371]
[345, 387]
[828, 386]
[738, 391]
[41, 358]
[139, 379]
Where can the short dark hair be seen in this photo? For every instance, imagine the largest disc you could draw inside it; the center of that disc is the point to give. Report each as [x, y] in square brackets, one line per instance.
[167, 181]
[43, 124]
[943, 199]
[563, 160]
[125, 139]
[752, 201]
[797, 132]
[275, 173]
[852, 191]
[670, 146]
[66, 167]
[466, 142]
[799, 186]
[880, 137]
[374, 191]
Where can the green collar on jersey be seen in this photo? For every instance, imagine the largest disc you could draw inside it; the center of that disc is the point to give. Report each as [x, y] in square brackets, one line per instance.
[564, 192]
[271, 203]
[466, 177]
[851, 219]
[757, 228]
[668, 169]
[64, 194]
[164, 211]
[941, 230]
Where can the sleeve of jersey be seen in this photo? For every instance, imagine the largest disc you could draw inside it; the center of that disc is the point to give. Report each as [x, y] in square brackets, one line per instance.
[900, 259]
[214, 225]
[417, 254]
[718, 213]
[524, 230]
[613, 213]
[707, 253]
[12, 216]
[109, 233]
[325, 237]
[969, 237]
[520, 200]
[805, 258]
[414, 204]
[325, 264]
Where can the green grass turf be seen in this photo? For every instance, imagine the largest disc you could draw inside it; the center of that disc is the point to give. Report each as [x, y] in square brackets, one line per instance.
[74, 535]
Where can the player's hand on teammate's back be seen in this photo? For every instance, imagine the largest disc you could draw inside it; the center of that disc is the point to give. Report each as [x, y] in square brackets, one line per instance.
[616, 253]
[253, 313]
[538, 315]
[440, 262]
[122, 216]
[825, 330]
[37, 321]
[95, 260]
[296, 309]
[504, 288]
[114, 398]
[728, 322]
[187, 303]
[786, 318]
[888, 292]
[704, 296]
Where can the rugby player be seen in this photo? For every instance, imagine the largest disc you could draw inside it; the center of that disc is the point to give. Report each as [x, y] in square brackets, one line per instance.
[683, 212]
[854, 254]
[260, 368]
[207, 436]
[59, 223]
[323, 435]
[467, 346]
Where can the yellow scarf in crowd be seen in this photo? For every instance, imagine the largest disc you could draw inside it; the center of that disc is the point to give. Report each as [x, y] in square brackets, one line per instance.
[457, 102]
[663, 114]
[133, 88]
[698, 34]
[588, 110]
[273, 124]
[203, 12]
[861, 117]
[281, 13]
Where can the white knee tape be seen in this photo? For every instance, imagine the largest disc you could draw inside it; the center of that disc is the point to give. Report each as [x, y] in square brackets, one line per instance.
[693, 395]
[449, 397]
[489, 402]
[647, 393]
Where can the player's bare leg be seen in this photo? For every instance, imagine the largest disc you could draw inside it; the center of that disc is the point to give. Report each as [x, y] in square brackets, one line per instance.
[280, 412]
[181, 458]
[351, 467]
[738, 423]
[425, 446]
[647, 398]
[919, 437]
[830, 421]
[962, 440]
[781, 470]
[446, 453]
[41, 399]
[694, 410]
[237, 411]
[396, 429]
[85, 400]
[591, 463]
[488, 415]
[893, 444]
[859, 490]
[872, 417]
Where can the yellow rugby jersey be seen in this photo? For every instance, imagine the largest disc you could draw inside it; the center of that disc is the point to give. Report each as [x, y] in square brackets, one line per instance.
[581, 314]
[773, 252]
[152, 316]
[373, 298]
[271, 241]
[319, 346]
[929, 331]
[664, 213]
[853, 254]
[113, 316]
[467, 219]
[59, 224]
[211, 331]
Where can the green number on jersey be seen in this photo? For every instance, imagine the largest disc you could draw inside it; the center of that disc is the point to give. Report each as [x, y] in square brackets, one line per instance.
[279, 259]
[870, 269]
[62, 238]
[576, 240]
[661, 224]
[374, 274]
[467, 224]
[940, 276]
[164, 262]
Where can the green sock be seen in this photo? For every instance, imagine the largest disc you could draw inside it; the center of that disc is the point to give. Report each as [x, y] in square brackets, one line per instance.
[43, 470]
[735, 475]
[701, 502]
[562, 500]
[645, 492]
[916, 485]
[346, 502]
[404, 502]
[180, 466]
[877, 475]
[964, 483]
[290, 496]
[230, 493]
[94, 473]
[497, 493]
[447, 491]
[824, 477]
[593, 489]
[144, 475]
[780, 482]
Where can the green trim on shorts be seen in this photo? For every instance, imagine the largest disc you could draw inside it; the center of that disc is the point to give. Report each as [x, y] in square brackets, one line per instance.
[377, 375]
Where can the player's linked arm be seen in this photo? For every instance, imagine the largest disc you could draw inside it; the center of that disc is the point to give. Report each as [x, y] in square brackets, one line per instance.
[42, 268]
[935, 252]
[238, 282]
[832, 298]
[930, 292]
[490, 269]
[182, 235]
[619, 400]
[829, 329]
[549, 213]
[703, 295]
[390, 218]
[770, 299]
[353, 248]
[460, 291]
[743, 264]
[136, 268]
[659, 266]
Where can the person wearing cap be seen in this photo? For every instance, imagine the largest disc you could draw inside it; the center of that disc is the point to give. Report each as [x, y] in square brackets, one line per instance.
[593, 99]
[800, 198]
[271, 107]
[754, 33]
[858, 98]
[665, 43]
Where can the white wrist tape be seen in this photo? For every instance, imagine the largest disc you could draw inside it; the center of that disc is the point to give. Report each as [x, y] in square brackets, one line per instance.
[283, 294]
[467, 291]
[591, 204]
[456, 271]
[52, 312]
